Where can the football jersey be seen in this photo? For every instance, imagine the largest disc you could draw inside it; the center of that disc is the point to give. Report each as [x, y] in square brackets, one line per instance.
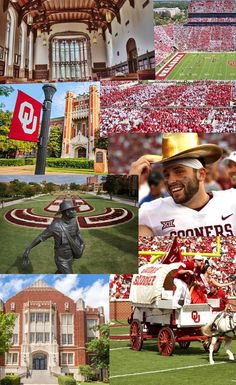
[218, 217]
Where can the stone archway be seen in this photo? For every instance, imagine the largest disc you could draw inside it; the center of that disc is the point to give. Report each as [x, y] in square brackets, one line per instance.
[132, 55]
[39, 361]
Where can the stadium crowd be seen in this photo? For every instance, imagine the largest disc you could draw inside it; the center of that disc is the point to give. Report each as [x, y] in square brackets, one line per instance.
[212, 6]
[223, 272]
[168, 106]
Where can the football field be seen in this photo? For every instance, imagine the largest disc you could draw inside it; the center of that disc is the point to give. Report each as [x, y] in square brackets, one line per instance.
[184, 367]
[202, 65]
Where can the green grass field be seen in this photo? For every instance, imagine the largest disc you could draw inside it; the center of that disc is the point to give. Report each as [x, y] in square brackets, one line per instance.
[108, 250]
[184, 367]
[201, 66]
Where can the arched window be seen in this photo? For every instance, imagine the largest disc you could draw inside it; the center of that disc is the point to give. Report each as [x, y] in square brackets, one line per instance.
[70, 57]
[132, 55]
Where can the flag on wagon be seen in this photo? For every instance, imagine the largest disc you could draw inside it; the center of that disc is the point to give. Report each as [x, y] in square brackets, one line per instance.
[173, 255]
[26, 118]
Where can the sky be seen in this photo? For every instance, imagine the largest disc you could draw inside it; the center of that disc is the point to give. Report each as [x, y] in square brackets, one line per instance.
[93, 288]
[35, 91]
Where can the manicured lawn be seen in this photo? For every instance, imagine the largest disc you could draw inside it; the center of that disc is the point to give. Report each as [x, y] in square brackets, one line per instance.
[108, 250]
[202, 65]
[149, 367]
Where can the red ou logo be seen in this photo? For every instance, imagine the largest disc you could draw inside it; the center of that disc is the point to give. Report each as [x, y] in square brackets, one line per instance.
[195, 316]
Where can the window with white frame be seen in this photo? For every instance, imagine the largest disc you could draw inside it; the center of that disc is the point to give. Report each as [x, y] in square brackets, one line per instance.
[12, 358]
[39, 337]
[91, 333]
[15, 331]
[67, 358]
[67, 329]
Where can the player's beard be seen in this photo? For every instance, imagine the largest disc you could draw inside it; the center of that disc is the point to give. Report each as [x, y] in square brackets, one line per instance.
[190, 188]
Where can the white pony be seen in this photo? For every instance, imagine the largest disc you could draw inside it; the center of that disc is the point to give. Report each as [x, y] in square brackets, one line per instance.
[224, 324]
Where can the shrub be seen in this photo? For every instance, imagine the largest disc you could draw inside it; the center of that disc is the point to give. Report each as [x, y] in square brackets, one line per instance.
[30, 161]
[10, 380]
[87, 372]
[12, 162]
[66, 380]
[71, 163]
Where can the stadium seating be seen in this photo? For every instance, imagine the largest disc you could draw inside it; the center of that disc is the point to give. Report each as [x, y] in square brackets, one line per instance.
[167, 106]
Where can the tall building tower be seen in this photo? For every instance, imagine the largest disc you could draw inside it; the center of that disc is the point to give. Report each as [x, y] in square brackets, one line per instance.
[81, 124]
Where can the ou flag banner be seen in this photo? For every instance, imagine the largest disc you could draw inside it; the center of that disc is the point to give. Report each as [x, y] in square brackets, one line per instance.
[26, 118]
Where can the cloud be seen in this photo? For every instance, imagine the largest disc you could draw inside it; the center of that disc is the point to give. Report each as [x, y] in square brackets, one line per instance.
[95, 295]
[13, 286]
[58, 105]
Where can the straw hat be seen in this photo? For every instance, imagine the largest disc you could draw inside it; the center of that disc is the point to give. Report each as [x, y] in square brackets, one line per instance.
[186, 145]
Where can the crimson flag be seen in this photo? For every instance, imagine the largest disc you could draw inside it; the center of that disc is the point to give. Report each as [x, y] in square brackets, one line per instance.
[26, 118]
[173, 255]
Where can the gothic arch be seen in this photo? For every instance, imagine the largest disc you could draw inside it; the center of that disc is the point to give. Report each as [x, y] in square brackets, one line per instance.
[132, 54]
[70, 56]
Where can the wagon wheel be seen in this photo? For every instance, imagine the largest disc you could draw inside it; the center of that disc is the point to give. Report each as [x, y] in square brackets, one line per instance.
[136, 335]
[184, 344]
[166, 341]
[206, 345]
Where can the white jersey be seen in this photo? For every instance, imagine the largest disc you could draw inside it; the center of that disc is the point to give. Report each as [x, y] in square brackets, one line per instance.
[218, 217]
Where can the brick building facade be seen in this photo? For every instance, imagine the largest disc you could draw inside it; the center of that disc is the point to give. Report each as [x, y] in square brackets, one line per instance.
[120, 310]
[81, 124]
[50, 331]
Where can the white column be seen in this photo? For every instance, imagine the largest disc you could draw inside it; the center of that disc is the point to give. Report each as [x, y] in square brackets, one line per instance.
[23, 51]
[11, 44]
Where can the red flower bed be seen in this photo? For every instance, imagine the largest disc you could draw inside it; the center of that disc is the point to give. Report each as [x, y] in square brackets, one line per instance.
[26, 218]
[74, 199]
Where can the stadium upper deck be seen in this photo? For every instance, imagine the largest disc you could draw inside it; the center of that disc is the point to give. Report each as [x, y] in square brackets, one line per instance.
[212, 12]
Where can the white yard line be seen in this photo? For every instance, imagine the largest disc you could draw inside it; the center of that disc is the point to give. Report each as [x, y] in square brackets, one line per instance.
[165, 370]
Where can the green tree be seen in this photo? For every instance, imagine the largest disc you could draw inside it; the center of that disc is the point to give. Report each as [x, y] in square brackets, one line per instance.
[7, 322]
[99, 348]
[55, 142]
[6, 90]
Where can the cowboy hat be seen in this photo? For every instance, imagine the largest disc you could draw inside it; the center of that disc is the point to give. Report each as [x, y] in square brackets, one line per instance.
[186, 145]
[66, 204]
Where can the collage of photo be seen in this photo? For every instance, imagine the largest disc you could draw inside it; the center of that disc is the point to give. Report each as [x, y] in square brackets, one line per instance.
[117, 192]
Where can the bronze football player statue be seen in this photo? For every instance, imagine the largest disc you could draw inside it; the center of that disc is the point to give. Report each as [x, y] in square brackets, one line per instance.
[68, 243]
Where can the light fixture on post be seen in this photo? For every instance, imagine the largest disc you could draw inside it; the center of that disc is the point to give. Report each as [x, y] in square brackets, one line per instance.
[108, 16]
[39, 32]
[30, 19]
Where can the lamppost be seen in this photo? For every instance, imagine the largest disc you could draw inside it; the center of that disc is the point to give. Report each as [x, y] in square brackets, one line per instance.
[49, 91]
